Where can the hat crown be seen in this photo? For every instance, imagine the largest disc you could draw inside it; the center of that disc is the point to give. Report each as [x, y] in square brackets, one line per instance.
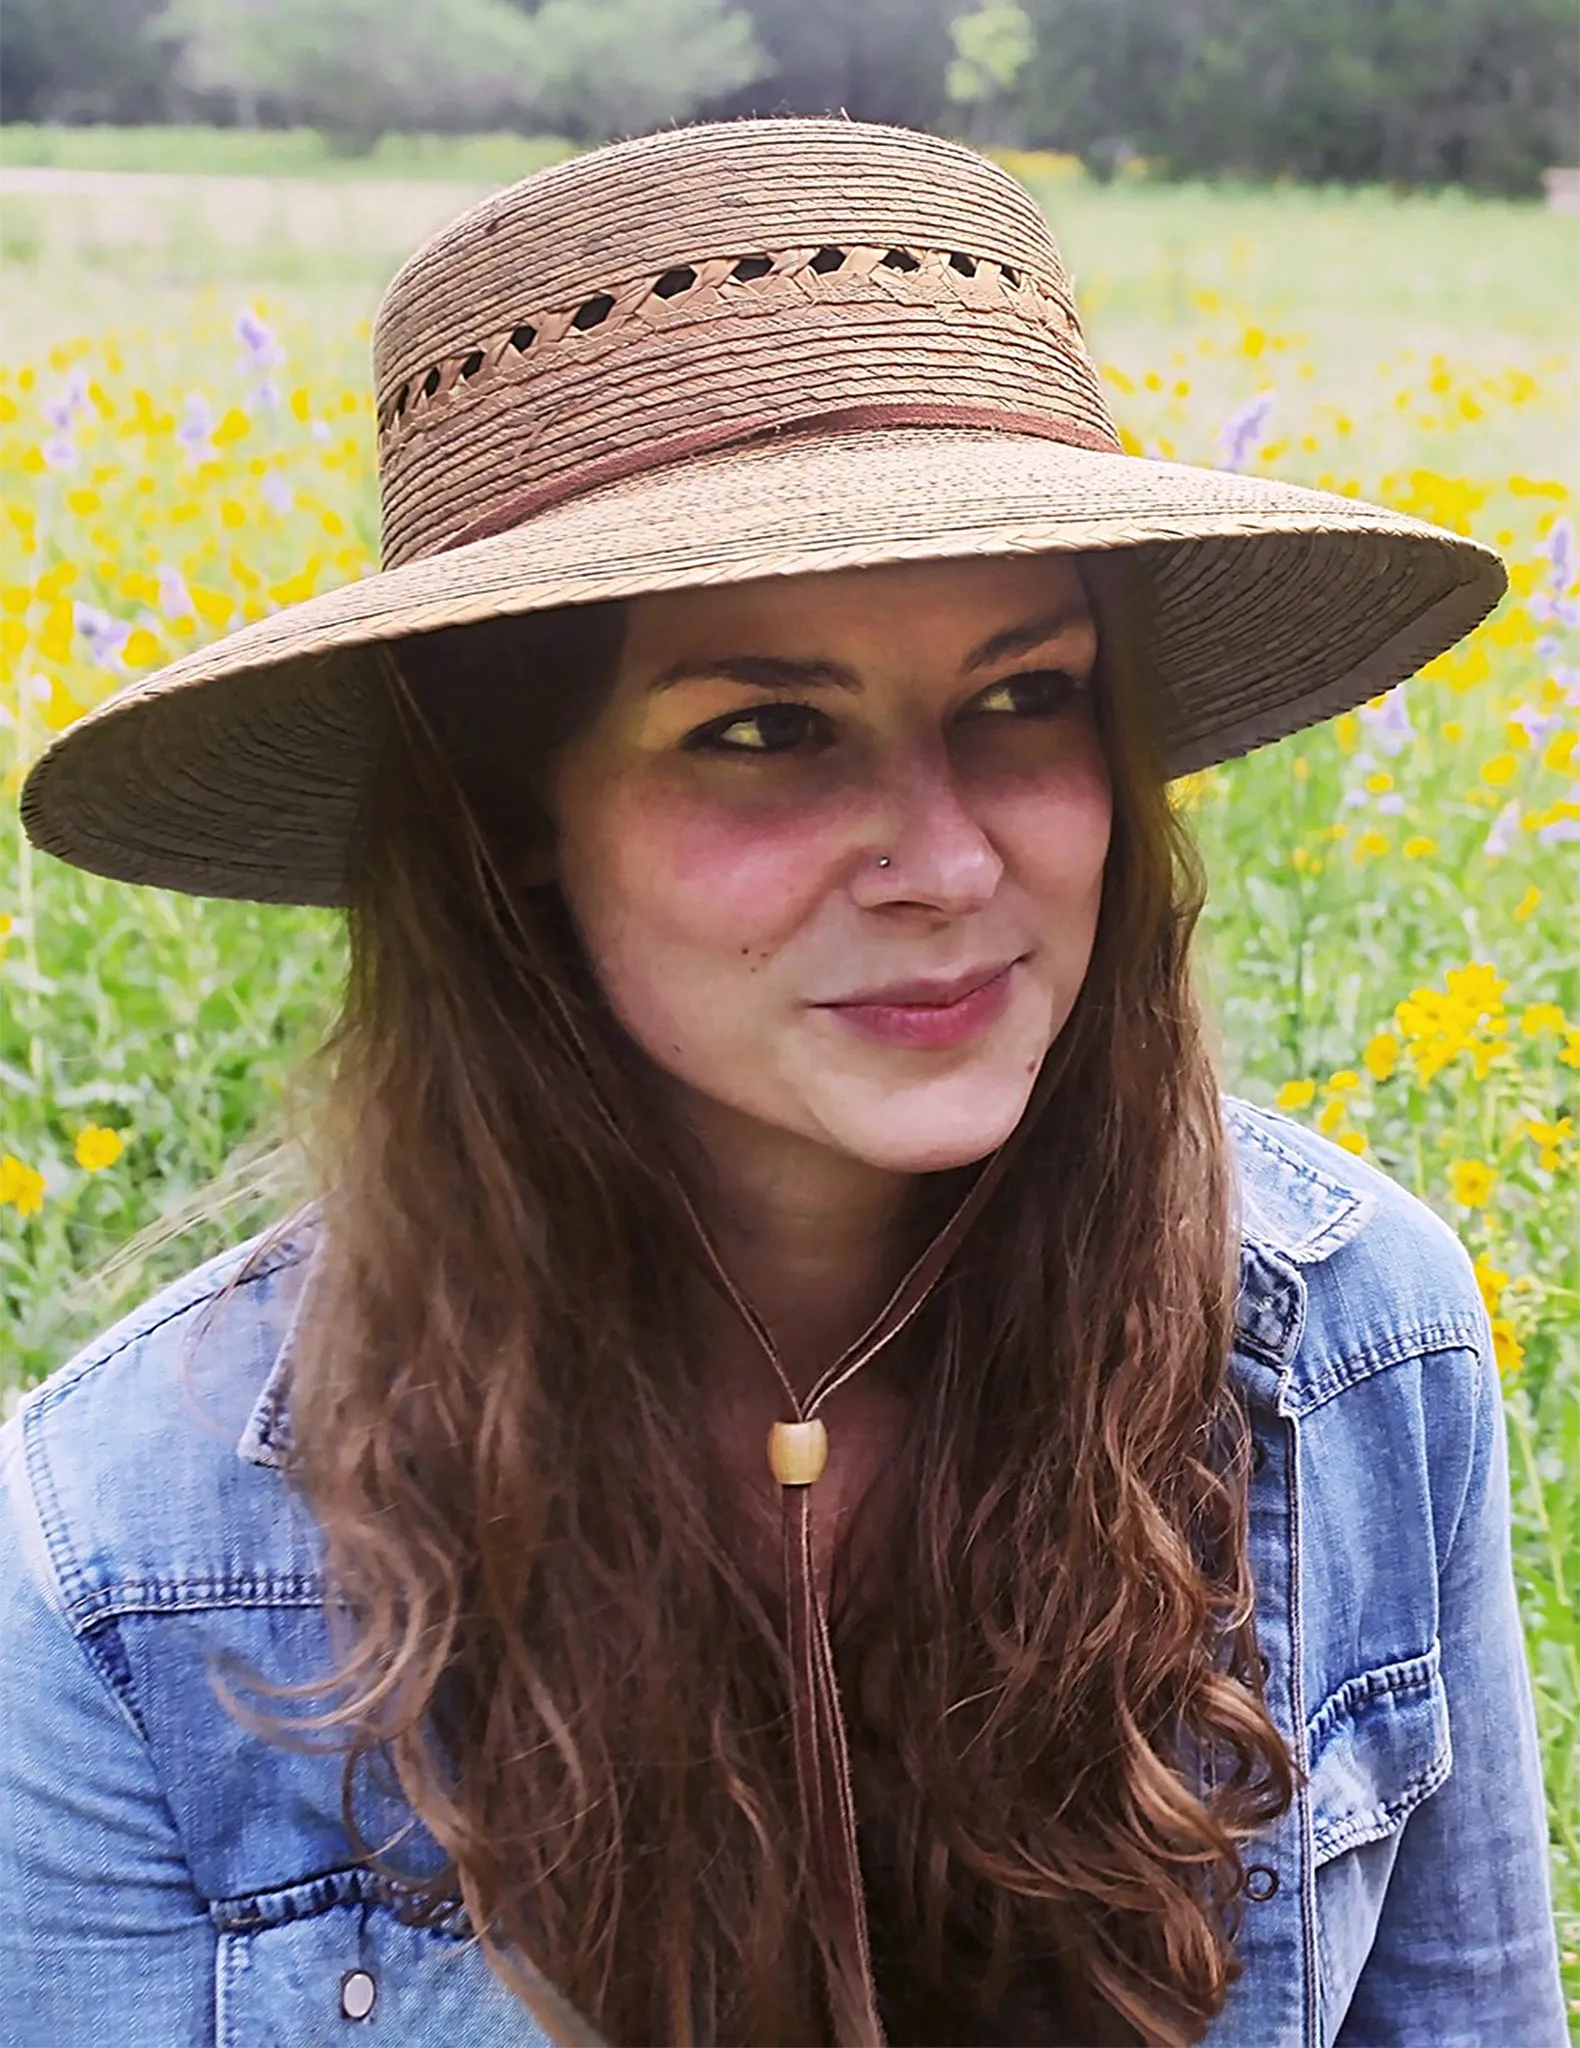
[709, 284]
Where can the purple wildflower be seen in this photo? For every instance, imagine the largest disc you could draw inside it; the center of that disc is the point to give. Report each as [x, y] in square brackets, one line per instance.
[105, 634]
[1536, 725]
[1392, 803]
[175, 600]
[1504, 827]
[60, 452]
[279, 493]
[1563, 831]
[1241, 433]
[257, 340]
[1554, 603]
[1560, 551]
[1388, 725]
[61, 411]
[197, 424]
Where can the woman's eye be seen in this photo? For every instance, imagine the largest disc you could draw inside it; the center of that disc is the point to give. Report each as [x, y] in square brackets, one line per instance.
[1041, 693]
[769, 729]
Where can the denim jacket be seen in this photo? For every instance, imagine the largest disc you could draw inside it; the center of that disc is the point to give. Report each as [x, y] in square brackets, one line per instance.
[170, 1880]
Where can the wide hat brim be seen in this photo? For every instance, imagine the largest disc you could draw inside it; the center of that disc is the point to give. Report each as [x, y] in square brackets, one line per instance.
[237, 771]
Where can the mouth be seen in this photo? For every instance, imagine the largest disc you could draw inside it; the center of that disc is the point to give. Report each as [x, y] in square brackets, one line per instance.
[929, 1014]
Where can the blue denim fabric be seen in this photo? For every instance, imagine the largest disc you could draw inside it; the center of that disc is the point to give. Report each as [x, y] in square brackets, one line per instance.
[171, 1881]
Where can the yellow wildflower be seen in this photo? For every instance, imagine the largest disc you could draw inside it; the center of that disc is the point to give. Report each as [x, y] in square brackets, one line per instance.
[1438, 1026]
[1506, 1347]
[98, 1147]
[1491, 1282]
[1470, 1182]
[1370, 843]
[1570, 1056]
[1559, 752]
[235, 426]
[1526, 907]
[1418, 846]
[1294, 1095]
[1549, 1137]
[1344, 1082]
[22, 1186]
[1381, 1055]
[1536, 1018]
[1500, 769]
[1331, 1115]
[1352, 1141]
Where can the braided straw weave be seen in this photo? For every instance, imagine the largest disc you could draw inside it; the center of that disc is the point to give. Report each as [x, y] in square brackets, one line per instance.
[737, 350]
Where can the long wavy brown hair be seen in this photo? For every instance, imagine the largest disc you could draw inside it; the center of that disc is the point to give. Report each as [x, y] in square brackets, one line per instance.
[546, 1629]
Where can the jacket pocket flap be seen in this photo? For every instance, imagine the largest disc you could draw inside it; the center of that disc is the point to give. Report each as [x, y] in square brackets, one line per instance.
[1379, 1745]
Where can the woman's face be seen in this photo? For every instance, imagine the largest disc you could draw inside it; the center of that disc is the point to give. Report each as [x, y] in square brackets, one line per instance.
[835, 846]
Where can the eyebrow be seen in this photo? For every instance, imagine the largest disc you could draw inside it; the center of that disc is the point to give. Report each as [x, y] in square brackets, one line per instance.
[780, 672]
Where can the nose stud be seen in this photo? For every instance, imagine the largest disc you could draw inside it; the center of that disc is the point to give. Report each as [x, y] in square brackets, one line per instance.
[884, 861]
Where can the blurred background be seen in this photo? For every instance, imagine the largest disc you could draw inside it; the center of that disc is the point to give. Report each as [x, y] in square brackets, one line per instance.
[1333, 240]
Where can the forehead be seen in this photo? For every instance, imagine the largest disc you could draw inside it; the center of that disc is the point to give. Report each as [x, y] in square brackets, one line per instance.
[944, 609]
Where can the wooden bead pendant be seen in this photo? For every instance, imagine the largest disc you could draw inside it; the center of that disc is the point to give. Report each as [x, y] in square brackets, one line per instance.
[797, 1452]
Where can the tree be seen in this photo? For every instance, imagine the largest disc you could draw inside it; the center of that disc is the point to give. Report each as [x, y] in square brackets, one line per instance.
[1418, 92]
[617, 67]
[876, 60]
[356, 68]
[81, 60]
[993, 45]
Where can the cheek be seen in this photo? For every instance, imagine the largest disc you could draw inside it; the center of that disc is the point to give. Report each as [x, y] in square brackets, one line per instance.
[1053, 831]
[670, 865]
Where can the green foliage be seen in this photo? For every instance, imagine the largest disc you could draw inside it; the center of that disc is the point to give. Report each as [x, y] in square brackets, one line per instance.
[1421, 92]
[876, 60]
[616, 67]
[992, 47]
[356, 68]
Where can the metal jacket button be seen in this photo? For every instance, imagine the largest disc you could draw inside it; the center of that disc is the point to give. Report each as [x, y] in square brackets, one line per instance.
[358, 1992]
[1260, 1882]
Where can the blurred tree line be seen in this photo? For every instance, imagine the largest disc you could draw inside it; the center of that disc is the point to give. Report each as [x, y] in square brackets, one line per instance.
[1482, 93]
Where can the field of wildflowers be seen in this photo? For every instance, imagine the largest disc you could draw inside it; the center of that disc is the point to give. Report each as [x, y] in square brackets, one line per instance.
[1389, 947]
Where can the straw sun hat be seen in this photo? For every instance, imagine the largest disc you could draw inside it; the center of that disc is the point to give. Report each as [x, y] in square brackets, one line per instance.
[746, 349]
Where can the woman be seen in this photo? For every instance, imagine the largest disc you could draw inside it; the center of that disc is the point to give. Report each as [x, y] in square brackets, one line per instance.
[808, 1478]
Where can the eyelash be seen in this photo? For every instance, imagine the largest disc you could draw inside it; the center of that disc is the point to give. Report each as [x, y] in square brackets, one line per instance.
[711, 738]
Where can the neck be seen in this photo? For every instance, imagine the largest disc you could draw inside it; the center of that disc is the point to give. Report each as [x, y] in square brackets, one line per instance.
[814, 1240]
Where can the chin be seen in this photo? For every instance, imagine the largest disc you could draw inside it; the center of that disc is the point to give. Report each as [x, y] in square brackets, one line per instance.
[929, 1129]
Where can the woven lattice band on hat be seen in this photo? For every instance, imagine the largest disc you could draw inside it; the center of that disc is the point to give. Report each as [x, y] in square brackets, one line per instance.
[737, 350]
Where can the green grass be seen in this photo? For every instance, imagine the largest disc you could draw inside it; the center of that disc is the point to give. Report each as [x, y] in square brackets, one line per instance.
[1419, 350]
[276, 153]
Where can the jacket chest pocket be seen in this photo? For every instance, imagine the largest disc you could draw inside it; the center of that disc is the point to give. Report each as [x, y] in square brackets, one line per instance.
[1379, 1745]
[301, 1969]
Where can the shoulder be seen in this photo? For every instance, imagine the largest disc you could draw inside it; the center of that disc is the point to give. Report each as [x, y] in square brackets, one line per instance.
[1382, 1279]
[124, 1470]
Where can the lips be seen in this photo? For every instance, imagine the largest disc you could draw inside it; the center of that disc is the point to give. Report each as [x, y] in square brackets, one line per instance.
[929, 1014]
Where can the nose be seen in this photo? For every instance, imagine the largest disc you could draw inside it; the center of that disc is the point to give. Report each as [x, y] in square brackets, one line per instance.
[937, 855]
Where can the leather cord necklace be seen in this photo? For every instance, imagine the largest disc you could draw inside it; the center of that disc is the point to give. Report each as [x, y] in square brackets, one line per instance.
[797, 1454]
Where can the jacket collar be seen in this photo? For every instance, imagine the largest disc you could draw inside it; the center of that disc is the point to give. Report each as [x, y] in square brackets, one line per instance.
[1293, 1215]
